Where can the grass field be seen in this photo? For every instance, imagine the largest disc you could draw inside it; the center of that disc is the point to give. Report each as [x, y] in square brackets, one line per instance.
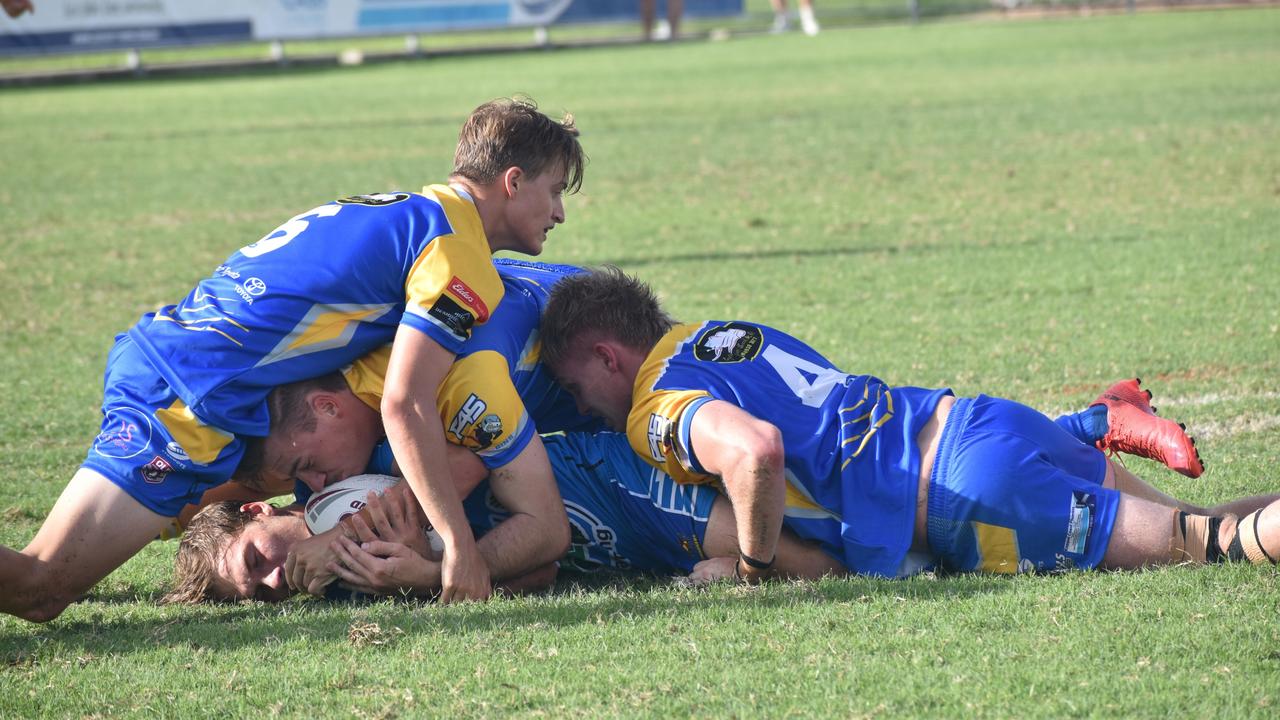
[1028, 209]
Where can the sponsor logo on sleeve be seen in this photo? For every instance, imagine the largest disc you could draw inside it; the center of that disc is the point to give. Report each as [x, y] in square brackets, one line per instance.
[452, 316]
[469, 298]
[250, 289]
[659, 434]
[375, 200]
[729, 343]
[1080, 520]
[472, 408]
[157, 470]
[126, 432]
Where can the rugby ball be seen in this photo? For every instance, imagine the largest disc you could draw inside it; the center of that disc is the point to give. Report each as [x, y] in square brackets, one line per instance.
[340, 500]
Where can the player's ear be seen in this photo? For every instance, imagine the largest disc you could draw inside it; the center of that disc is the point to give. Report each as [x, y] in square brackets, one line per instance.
[607, 354]
[323, 404]
[260, 508]
[511, 179]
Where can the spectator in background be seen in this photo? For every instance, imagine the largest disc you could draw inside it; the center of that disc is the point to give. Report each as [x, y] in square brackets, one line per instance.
[648, 13]
[16, 7]
[781, 23]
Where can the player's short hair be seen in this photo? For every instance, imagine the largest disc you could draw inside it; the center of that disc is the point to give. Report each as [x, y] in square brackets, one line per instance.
[603, 302]
[289, 413]
[510, 132]
[205, 540]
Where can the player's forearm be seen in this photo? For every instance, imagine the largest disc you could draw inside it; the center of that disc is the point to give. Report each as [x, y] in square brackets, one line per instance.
[519, 545]
[416, 437]
[758, 495]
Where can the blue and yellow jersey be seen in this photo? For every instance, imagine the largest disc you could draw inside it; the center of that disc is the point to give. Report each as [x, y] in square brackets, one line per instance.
[320, 291]
[852, 463]
[497, 394]
[623, 514]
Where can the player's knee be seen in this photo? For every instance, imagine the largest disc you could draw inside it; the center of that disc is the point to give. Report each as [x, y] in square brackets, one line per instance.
[42, 595]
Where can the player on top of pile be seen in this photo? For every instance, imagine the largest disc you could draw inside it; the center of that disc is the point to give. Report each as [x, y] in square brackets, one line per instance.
[869, 471]
[187, 384]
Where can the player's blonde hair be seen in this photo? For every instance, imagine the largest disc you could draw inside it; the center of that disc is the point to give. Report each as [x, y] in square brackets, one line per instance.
[206, 539]
[602, 302]
[510, 132]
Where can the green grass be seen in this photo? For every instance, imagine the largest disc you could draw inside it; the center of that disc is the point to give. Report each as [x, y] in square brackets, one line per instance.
[1028, 209]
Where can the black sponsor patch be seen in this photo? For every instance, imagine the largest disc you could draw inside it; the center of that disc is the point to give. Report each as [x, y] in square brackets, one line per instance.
[729, 343]
[452, 315]
[377, 200]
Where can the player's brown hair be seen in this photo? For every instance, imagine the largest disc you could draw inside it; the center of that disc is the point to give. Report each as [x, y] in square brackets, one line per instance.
[604, 302]
[290, 413]
[510, 132]
[206, 539]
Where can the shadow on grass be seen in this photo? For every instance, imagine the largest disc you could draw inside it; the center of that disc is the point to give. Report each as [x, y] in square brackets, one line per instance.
[122, 623]
[628, 263]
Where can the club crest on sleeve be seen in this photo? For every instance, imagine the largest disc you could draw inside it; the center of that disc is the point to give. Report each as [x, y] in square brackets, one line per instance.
[375, 200]
[729, 343]
[488, 430]
[157, 470]
[126, 432]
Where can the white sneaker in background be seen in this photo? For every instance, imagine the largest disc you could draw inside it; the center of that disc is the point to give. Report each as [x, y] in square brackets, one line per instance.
[780, 23]
[808, 22]
[662, 30]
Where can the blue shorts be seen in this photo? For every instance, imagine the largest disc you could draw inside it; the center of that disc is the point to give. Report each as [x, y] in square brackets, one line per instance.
[1012, 492]
[150, 444]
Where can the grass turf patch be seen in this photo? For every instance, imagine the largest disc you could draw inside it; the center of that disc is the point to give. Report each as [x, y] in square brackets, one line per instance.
[1027, 209]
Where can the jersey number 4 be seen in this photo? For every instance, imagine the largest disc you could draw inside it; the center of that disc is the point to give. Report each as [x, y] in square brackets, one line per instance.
[810, 382]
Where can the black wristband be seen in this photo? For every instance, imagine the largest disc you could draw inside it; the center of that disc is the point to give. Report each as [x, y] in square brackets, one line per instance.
[757, 564]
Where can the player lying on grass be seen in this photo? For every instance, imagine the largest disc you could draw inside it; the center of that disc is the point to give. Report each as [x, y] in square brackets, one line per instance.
[623, 515]
[340, 425]
[887, 479]
[187, 385]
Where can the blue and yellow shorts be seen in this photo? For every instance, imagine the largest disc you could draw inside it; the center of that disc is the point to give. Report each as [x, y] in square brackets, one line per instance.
[1012, 492]
[150, 444]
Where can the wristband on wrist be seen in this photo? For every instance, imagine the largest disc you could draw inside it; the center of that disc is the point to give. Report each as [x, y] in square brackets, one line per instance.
[756, 564]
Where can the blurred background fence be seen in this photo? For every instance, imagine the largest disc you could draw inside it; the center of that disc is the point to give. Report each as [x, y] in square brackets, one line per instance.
[84, 39]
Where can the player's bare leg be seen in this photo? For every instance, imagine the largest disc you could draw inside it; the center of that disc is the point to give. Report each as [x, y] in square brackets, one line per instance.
[1119, 478]
[1135, 429]
[93, 529]
[1148, 533]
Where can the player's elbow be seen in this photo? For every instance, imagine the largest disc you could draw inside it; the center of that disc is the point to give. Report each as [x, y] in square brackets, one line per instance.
[558, 537]
[761, 448]
[395, 405]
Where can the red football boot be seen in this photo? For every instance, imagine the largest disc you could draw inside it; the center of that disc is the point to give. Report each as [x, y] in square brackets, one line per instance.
[1134, 428]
